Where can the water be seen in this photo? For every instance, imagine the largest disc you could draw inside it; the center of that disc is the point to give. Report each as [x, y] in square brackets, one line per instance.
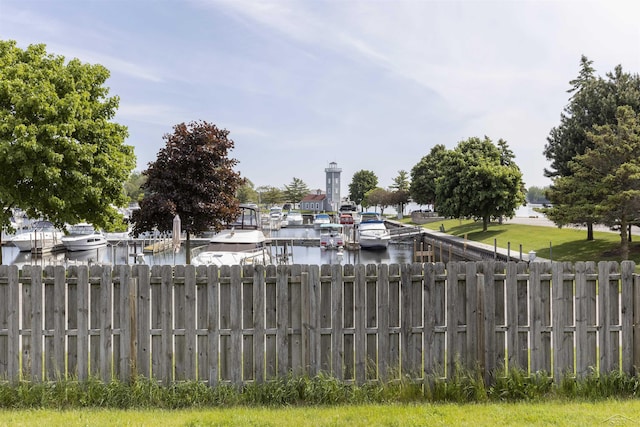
[127, 254]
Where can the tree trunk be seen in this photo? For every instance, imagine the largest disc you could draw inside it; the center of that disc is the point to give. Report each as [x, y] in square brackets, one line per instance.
[188, 249]
[589, 231]
[629, 236]
[624, 241]
[485, 222]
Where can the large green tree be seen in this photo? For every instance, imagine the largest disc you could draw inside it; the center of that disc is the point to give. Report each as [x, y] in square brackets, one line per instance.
[133, 187]
[61, 155]
[246, 192]
[379, 197]
[192, 177]
[296, 191]
[594, 102]
[400, 191]
[362, 182]
[479, 180]
[611, 172]
[424, 175]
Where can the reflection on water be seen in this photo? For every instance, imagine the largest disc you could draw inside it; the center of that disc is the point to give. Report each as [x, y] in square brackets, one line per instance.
[128, 254]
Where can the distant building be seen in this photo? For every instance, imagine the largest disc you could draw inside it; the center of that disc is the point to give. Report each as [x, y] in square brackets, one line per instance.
[333, 186]
[315, 202]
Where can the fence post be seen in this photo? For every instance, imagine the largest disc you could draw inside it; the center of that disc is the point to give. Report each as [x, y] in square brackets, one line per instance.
[636, 322]
[626, 311]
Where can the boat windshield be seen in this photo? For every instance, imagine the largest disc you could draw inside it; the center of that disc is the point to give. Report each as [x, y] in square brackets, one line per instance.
[248, 219]
[234, 247]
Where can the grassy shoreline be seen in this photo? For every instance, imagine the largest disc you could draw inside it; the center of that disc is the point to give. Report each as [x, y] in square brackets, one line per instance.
[557, 244]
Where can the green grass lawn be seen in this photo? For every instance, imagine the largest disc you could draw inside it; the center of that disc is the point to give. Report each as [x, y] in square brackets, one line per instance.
[559, 413]
[558, 244]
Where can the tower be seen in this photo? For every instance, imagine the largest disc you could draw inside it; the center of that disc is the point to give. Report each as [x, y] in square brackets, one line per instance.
[333, 186]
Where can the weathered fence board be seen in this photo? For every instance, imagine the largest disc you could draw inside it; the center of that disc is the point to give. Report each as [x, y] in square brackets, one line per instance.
[358, 323]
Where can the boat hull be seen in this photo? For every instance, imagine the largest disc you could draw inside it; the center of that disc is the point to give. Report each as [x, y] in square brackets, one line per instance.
[84, 243]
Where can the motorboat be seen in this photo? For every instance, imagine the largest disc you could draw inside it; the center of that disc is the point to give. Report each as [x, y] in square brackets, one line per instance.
[372, 232]
[83, 237]
[332, 236]
[294, 218]
[241, 243]
[320, 219]
[42, 237]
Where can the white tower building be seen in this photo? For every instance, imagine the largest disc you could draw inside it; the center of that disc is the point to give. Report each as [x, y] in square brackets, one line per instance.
[333, 186]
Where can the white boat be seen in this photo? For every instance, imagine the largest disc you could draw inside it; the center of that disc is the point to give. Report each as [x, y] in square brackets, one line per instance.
[241, 243]
[372, 232]
[83, 237]
[42, 237]
[294, 218]
[332, 236]
[320, 219]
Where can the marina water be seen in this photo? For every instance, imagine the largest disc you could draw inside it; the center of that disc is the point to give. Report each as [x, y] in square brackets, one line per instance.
[127, 253]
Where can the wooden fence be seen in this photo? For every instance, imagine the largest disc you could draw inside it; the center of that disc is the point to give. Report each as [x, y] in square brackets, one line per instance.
[355, 322]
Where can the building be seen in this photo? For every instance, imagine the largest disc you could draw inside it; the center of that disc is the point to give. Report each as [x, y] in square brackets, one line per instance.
[315, 202]
[333, 186]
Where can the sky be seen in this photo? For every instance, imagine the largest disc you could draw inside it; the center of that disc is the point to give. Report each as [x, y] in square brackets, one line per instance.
[371, 85]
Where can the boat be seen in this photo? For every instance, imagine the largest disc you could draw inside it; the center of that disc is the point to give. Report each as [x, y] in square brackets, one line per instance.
[42, 237]
[242, 242]
[294, 218]
[332, 236]
[320, 219]
[372, 232]
[83, 237]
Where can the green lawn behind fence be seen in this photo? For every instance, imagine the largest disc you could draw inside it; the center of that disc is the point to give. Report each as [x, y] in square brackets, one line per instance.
[557, 244]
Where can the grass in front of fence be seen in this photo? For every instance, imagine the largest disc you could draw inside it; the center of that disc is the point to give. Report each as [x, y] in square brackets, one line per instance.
[558, 244]
[322, 390]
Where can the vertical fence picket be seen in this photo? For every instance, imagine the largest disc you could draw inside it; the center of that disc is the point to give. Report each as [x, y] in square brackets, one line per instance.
[626, 312]
[384, 362]
[247, 326]
[360, 334]
[372, 327]
[337, 334]
[27, 323]
[294, 308]
[259, 323]
[213, 326]
[348, 321]
[314, 320]
[12, 322]
[142, 275]
[326, 317]
[201, 323]
[180, 326]
[165, 371]
[82, 323]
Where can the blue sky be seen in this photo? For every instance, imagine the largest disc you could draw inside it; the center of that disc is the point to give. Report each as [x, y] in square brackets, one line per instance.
[371, 85]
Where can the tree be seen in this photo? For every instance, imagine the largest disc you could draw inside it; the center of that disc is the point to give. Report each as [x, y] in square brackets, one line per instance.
[401, 182]
[296, 191]
[271, 195]
[246, 192]
[611, 169]
[61, 156]
[424, 175]
[537, 195]
[594, 102]
[133, 187]
[192, 177]
[362, 181]
[378, 197]
[400, 195]
[479, 180]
